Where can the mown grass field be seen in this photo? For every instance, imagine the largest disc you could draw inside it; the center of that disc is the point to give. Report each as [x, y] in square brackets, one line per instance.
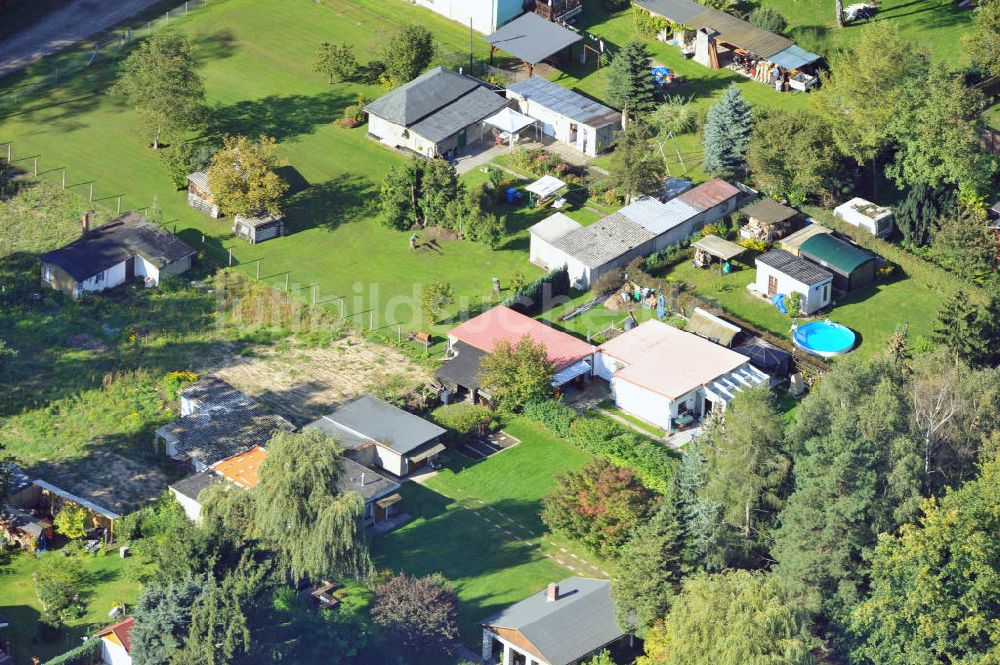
[106, 582]
[489, 568]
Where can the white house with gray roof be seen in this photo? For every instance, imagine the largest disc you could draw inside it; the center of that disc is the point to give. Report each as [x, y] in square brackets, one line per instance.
[561, 625]
[780, 272]
[567, 116]
[380, 435]
[435, 113]
[641, 228]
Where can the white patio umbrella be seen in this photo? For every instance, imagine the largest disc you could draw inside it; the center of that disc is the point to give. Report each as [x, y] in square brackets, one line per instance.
[510, 122]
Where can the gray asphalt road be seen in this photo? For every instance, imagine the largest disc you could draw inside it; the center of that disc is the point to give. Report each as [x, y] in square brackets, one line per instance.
[63, 28]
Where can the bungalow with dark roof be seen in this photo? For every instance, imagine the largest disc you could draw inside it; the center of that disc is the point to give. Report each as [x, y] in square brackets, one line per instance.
[121, 251]
[380, 435]
[434, 114]
[561, 625]
[779, 272]
[217, 422]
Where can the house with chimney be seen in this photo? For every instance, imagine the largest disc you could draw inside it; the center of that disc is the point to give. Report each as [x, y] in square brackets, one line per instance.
[564, 624]
[126, 249]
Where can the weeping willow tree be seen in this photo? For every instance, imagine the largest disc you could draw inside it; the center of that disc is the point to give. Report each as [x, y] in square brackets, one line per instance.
[299, 510]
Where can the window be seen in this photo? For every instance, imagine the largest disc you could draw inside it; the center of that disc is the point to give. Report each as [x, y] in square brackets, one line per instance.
[826, 292]
[47, 273]
[99, 277]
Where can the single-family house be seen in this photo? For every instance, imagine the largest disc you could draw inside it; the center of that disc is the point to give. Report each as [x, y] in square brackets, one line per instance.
[670, 377]
[567, 116]
[258, 228]
[877, 220]
[243, 471]
[780, 272]
[853, 268]
[200, 194]
[382, 436]
[643, 227]
[116, 643]
[433, 115]
[483, 15]
[768, 220]
[123, 250]
[563, 624]
[572, 358]
[217, 422]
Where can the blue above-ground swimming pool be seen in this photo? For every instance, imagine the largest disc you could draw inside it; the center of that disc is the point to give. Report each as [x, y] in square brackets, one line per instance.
[824, 338]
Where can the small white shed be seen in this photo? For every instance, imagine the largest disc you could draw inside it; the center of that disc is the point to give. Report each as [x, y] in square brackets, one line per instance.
[779, 272]
[877, 220]
[541, 251]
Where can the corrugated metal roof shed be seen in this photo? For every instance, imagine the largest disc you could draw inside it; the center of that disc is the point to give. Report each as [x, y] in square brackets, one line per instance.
[678, 11]
[555, 226]
[564, 101]
[731, 30]
[657, 217]
[709, 194]
[603, 241]
[838, 255]
[532, 39]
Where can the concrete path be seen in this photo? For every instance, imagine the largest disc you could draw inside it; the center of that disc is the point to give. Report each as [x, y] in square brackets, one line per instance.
[63, 28]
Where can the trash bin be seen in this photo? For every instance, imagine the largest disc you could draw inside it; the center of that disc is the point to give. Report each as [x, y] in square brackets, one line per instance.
[512, 195]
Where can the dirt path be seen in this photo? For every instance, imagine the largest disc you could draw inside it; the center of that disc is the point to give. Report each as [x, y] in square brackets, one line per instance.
[63, 28]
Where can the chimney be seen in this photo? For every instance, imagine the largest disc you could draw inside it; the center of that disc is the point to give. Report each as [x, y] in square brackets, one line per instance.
[85, 224]
[552, 593]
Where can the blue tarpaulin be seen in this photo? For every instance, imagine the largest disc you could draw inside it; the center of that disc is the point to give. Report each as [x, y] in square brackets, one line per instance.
[793, 57]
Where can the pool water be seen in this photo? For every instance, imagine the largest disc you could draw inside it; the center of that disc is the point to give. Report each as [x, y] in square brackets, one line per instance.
[824, 338]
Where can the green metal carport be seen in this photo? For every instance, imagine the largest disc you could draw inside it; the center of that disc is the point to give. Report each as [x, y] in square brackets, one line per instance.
[852, 267]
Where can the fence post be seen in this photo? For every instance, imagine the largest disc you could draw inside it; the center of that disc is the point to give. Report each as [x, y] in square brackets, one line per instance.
[371, 325]
[119, 204]
[64, 177]
[341, 308]
[286, 282]
[230, 257]
[258, 270]
[185, 8]
[149, 27]
[91, 192]
[36, 167]
[314, 294]
[10, 146]
[167, 17]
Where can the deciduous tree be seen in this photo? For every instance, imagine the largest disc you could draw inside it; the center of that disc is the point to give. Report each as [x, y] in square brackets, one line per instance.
[71, 521]
[422, 612]
[336, 61]
[630, 86]
[242, 177]
[964, 244]
[301, 512]
[160, 82]
[515, 374]
[733, 618]
[727, 134]
[936, 585]
[57, 584]
[598, 506]
[408, 53]
[984, 43]
[436, 297]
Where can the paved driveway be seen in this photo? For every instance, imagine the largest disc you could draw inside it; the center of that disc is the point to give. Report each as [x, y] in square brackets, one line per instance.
[63, 28]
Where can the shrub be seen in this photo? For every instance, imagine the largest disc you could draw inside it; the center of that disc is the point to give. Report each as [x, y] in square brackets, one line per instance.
[754, 245]
[539, 294]
[607, 283]
[768, 18]
[794, 303]
[646, 24]
[464, 418]
[551, 414]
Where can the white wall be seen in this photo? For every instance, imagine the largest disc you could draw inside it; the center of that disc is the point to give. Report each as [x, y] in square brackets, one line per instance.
[558, 126]
[391, 461]
[112, 277]
[651, 407]
[144, 268]
[812, 297]
[114, 654]
[391, 135]
[486, 15]
[191, 507]
[605, 366]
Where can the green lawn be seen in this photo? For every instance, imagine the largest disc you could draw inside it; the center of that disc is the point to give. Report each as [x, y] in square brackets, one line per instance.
[106, 583]
[488, 568]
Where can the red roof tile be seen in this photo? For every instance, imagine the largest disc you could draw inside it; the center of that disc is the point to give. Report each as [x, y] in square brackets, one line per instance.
[244, 469]
[122, 631]
[709, 194]
[502, 323]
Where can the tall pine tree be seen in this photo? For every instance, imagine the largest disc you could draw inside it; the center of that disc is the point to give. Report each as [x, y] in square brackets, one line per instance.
[649, 570]
[727, 135]
[630, 85]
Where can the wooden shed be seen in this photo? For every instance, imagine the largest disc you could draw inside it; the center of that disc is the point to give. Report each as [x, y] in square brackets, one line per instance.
[200, 196]
[259, 227]
[769, 221]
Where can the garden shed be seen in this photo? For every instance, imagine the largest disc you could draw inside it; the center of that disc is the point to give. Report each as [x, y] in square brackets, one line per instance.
[852, 267]
[877, 220]
[200, 195]
[769, 220]
[713, 247]
[258, 228]
[532, 39]
[793, 242]
[567, 116]
[541, 251]
[781, 273]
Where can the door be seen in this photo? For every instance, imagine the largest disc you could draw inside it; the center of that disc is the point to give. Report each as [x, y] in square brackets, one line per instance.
[130, 269]
[772, 285]
[572, 132]
[462, 137]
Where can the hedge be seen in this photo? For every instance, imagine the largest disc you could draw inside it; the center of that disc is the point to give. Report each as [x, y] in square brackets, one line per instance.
[653, 463]
[535, 296]
[81, 655]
